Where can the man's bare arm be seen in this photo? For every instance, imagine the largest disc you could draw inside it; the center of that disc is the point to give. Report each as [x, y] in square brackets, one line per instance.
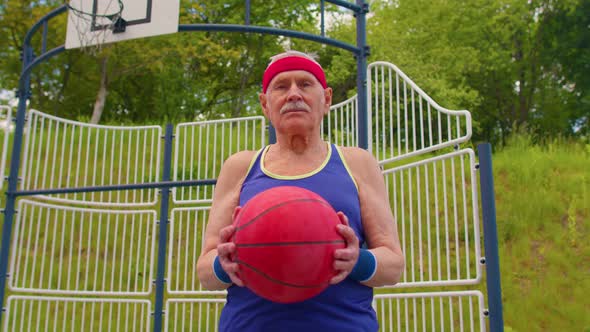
[225, 201]
[378, 222]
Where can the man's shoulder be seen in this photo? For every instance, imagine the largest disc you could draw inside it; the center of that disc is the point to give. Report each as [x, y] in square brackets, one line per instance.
[235, 167]
[359, 160]
[357, 155]
[240, 159]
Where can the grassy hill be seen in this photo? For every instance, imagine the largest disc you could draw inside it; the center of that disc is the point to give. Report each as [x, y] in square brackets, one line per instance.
[543, 214]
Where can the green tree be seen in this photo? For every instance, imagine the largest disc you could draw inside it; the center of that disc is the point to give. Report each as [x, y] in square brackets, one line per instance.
[566, 39]
[166, 78]
[512, 63]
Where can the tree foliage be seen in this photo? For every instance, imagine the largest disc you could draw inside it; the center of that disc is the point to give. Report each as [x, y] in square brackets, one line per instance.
[175, 77]
[513, 63]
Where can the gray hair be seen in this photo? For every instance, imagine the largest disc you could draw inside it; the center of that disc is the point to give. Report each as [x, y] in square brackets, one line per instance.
[311, 56]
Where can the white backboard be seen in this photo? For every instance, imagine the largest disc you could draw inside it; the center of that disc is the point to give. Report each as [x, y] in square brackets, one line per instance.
[88, 24]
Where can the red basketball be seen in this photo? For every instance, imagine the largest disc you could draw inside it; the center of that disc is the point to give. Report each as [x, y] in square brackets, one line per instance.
[285, 240]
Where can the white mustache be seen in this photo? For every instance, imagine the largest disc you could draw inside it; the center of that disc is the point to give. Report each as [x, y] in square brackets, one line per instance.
[295, 106]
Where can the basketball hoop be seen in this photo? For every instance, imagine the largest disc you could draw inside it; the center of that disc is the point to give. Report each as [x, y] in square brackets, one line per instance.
[95, 20]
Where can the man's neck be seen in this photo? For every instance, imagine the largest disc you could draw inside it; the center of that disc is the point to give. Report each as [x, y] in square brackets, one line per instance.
[300, 145]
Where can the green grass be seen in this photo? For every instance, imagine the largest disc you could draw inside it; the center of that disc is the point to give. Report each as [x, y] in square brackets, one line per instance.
[543, 209]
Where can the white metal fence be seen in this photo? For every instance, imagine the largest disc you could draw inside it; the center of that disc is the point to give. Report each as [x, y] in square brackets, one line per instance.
[67, 250]
[339, 126]
[404, 120]
[60, 153]
[431, 311]
[198, 315]
[434, 202]
[185, 240]
[61, 250]
[202, 147]
[50, 314]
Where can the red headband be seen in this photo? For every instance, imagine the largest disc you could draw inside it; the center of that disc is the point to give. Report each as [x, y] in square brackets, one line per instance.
[293, 63]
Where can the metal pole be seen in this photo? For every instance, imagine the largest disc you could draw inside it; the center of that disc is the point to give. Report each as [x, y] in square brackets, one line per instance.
[9, 212]
[322, 18]
[163, 236]
[492, 258]
[361, 74]
[247, 18]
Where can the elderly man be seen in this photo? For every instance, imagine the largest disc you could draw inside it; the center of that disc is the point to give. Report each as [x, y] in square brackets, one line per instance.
[295, 97]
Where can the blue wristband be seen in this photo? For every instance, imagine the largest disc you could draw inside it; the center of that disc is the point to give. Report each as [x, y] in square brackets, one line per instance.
[220, 272]
[365, 267]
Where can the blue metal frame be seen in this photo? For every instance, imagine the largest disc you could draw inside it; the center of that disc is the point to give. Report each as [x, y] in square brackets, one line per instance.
[162, 240]
[23, 93]
[492, 258]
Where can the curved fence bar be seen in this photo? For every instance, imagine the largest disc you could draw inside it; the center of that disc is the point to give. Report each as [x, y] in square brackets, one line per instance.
[406, 122]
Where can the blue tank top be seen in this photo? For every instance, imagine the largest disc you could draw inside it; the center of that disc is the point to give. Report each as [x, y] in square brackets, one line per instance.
[344, 307]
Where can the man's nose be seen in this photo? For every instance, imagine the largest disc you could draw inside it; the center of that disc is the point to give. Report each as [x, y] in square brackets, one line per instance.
[294, 93]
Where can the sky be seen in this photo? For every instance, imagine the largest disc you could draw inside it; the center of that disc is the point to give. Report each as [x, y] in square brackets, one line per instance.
[7, 97]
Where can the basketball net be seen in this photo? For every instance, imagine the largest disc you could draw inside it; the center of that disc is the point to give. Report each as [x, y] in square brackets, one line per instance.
[95, 20]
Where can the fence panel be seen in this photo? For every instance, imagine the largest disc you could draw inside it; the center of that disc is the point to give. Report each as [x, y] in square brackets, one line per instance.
[404, 120]
[185, 241]
[49, 314]
[198, 315]
[434, 202]
[60, 153]
[432, 311]
[202, 147]
[340, 125]
[66, 250]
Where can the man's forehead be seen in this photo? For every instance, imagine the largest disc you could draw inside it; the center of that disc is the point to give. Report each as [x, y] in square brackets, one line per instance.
[294, 74]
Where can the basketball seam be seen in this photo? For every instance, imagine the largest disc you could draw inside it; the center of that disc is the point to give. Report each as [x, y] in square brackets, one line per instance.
[278, 206]
[276, 280]
[249, 245]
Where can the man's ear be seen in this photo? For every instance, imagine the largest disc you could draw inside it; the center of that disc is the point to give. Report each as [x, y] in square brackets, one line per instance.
[327, 99]
[263, 103]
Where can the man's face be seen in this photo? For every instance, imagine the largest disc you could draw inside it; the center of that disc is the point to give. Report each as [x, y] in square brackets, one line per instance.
[295, 101]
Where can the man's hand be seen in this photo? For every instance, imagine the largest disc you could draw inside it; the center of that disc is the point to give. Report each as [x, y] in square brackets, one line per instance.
[345, 259]
[225, 250]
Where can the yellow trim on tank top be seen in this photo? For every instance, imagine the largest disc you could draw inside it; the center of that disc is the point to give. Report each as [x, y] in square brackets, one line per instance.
[254, 160]
[346, 166]
[294, 177]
